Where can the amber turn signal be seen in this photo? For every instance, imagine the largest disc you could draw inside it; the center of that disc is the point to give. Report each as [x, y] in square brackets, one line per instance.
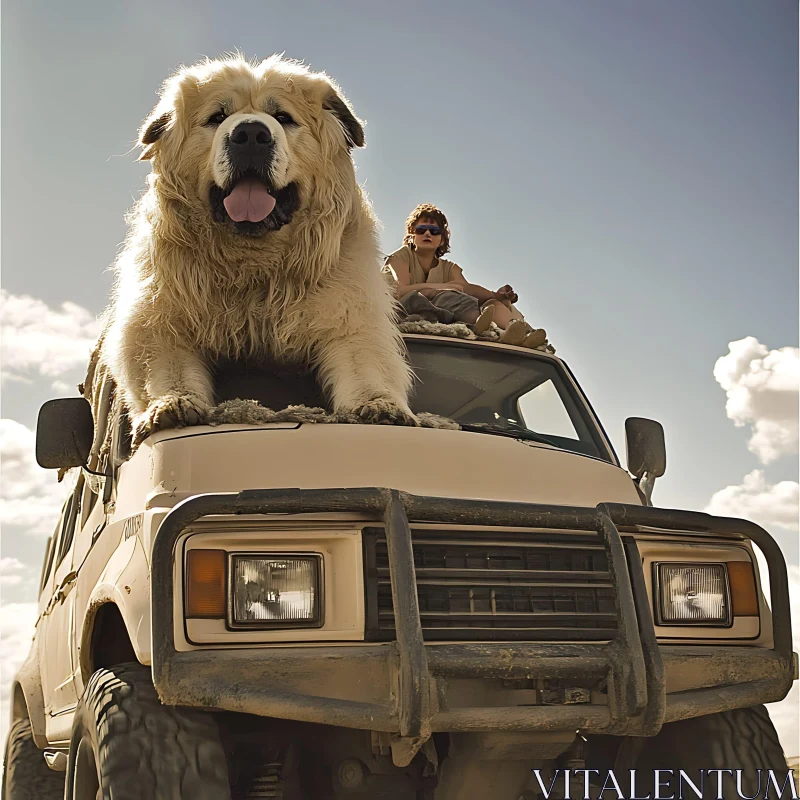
[205, 584]
[744, 596]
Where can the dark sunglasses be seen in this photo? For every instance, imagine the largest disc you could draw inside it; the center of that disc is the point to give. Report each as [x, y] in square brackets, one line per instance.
[434, 230]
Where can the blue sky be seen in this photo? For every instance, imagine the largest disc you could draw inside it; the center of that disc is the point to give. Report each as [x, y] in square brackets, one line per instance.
[629, 166]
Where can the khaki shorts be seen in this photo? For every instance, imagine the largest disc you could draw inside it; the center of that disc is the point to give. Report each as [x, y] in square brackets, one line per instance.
[449, 306]
[459, 302]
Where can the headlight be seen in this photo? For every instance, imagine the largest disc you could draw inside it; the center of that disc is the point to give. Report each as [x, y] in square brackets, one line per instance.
[275, 590]
[692, 594]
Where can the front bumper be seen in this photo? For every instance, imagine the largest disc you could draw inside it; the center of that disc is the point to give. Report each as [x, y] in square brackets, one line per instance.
[406, 687]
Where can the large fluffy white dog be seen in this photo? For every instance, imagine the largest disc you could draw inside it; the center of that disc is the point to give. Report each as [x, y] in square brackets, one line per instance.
[254, 240]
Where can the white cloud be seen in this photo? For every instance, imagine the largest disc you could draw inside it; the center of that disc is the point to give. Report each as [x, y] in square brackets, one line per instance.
[762, 387]
[36, 339]
[765, 503]
[30, 496]
[17, 622]
[62, 387]
[10, 569]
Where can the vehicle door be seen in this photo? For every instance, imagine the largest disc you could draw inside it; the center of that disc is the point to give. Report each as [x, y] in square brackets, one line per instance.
[56, 656]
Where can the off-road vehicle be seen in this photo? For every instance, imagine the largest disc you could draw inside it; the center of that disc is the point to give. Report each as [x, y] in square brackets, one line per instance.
[330, 610]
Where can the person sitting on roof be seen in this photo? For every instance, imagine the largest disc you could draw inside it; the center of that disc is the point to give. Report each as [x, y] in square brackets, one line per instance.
[434, 289]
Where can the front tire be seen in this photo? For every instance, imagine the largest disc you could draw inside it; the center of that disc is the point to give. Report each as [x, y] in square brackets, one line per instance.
[26, 776]
[127, 745]
[743, 738]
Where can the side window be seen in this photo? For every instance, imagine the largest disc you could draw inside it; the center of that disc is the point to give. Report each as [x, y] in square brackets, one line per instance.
[53, 543]
[48, 561]
[120, 452]
[124, 438]
[70, 518]
[91, 492]
[89, 500]
[543, 410]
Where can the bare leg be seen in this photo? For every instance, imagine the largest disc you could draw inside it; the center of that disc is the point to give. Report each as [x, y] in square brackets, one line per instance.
[515, 329]
[502, 313]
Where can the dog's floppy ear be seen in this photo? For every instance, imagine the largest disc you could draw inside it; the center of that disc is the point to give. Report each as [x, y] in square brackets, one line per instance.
[153, 129]
[353, 128]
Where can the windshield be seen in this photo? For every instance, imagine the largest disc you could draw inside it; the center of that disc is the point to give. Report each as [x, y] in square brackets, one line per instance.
[500, 392]
[485, 389]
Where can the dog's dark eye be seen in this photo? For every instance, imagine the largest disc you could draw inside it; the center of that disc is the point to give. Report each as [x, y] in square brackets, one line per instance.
[217, 119]
[284, 118]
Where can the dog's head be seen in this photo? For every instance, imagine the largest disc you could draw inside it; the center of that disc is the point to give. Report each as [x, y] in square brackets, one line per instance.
[249, 144]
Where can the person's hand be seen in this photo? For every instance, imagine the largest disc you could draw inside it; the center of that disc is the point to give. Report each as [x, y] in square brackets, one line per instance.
[506, 293]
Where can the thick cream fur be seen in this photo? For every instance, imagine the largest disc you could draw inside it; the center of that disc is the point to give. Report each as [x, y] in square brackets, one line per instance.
[189, 291]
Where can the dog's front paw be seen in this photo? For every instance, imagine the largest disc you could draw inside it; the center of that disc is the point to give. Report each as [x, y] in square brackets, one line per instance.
[381, 411]
[170, 411]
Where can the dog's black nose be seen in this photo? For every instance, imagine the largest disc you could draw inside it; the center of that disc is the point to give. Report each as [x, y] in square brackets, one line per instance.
[251, 133]
[250, 144]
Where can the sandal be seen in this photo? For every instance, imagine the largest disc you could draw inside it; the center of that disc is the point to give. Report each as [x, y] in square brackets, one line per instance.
[515, 333]
[536, 338]
[484, 321]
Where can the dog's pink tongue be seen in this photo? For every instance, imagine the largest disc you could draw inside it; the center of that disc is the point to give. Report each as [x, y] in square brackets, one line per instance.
[249, 201]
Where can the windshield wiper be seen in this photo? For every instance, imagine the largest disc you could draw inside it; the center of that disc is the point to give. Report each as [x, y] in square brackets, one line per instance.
[509, 430]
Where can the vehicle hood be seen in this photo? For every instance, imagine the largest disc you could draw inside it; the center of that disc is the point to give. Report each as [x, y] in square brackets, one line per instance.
[172, 466]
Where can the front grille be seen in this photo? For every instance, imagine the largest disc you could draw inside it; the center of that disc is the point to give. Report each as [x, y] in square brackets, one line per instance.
[488, 585]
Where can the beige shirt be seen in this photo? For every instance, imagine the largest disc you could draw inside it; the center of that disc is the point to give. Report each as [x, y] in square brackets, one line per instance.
[440, 272]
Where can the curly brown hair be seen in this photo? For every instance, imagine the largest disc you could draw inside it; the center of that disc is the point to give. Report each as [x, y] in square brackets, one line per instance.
[423, 211]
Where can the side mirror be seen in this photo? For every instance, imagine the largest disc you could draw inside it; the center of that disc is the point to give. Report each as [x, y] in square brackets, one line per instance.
[64, 433]
[647, 452]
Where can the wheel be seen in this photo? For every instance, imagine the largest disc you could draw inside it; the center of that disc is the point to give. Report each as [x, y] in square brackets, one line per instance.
[26, 776]
[126, 745]
[744, 739]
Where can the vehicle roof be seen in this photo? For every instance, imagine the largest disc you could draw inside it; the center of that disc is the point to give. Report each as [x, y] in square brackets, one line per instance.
[481, 343]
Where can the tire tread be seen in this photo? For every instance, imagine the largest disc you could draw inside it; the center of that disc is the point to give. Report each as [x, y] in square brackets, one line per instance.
[26, 775]
[147, 749]
[743, 738]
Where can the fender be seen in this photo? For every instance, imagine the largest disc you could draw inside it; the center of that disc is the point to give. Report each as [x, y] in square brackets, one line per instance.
[28, 700]
[128, 588]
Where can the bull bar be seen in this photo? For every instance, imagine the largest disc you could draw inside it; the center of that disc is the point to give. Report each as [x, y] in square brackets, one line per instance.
[631, 663]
